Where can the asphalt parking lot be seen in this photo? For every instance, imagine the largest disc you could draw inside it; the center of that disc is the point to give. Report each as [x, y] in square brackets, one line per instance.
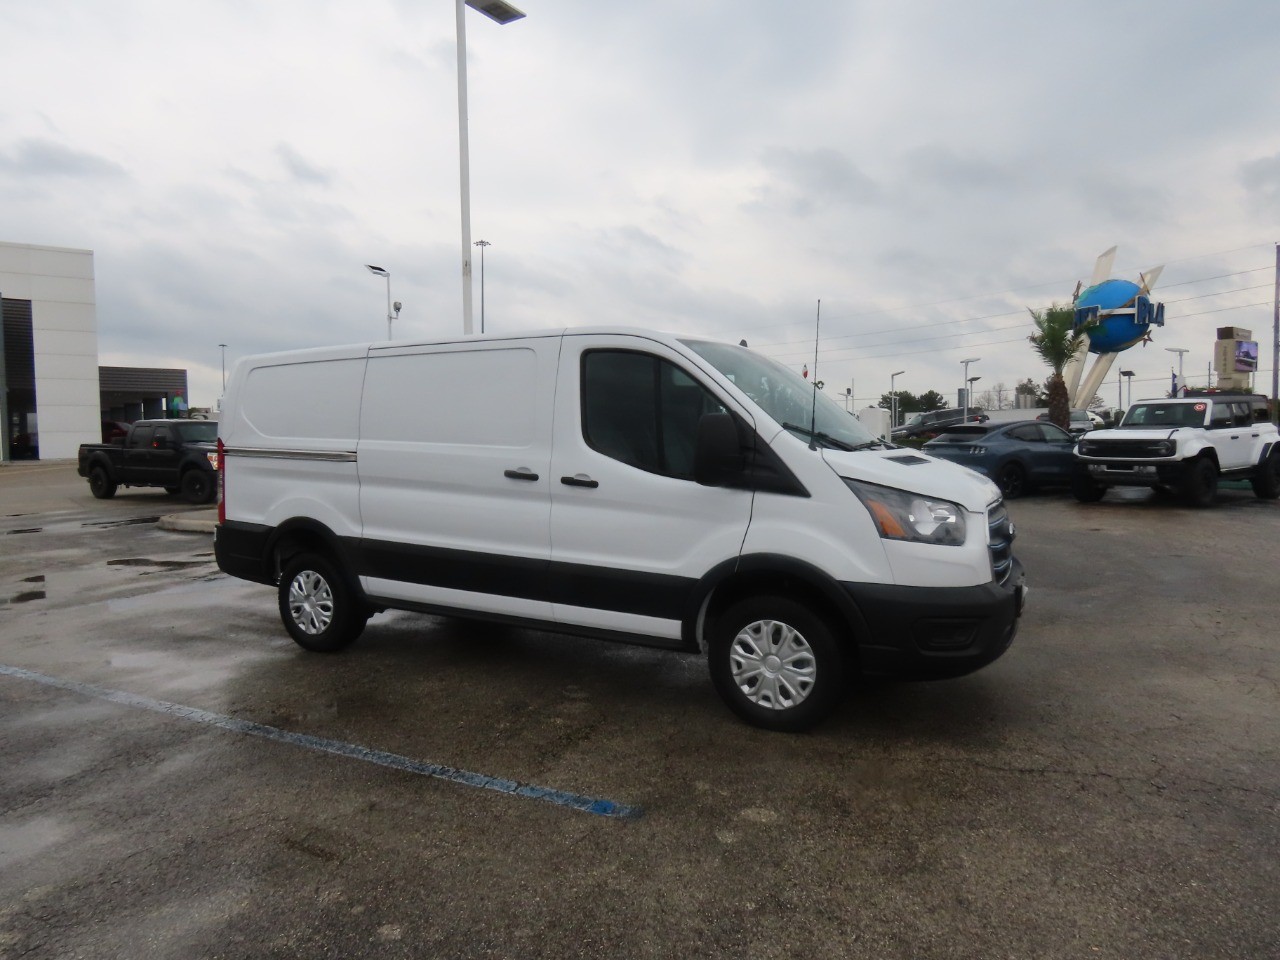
[179, 780]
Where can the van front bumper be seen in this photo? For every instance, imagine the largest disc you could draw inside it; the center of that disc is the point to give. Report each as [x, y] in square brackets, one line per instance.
[931, 633]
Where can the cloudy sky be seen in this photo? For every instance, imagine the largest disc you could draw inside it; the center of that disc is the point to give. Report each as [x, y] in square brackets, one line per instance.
[926, 169]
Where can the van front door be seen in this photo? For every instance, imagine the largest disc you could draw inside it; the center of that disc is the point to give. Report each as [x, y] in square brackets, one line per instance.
[631, 532]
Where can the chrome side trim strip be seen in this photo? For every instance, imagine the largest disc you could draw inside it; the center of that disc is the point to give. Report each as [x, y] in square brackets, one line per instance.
[272, 453]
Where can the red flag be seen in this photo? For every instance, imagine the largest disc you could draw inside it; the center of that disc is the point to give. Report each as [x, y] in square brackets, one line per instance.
[805, 372]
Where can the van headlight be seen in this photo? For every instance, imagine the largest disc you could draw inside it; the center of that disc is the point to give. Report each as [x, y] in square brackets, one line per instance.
[900, 515]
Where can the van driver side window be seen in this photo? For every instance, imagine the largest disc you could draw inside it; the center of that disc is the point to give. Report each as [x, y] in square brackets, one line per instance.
[642, 410]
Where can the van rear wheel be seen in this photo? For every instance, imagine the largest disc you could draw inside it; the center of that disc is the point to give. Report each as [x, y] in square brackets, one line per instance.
[319, 608]
[776, 664]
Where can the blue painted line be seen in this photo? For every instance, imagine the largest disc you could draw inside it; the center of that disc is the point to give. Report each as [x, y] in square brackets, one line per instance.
[594, 805]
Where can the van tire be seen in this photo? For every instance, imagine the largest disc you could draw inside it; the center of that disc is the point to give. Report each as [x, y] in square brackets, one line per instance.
[790, 692]
[100, 484]
[318, 606]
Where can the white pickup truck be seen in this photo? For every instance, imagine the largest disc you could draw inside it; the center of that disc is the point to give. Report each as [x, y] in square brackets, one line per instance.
[1183, 445]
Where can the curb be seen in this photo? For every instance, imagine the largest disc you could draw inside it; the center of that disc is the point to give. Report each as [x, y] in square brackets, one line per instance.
[197, 521]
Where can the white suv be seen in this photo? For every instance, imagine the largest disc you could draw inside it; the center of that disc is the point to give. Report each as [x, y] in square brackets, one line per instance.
[1183, 444]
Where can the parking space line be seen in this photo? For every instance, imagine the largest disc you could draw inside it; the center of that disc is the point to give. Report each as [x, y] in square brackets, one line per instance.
[594, 805]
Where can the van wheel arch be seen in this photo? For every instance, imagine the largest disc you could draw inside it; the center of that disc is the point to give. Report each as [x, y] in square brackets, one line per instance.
[293, 538]
[737, 580]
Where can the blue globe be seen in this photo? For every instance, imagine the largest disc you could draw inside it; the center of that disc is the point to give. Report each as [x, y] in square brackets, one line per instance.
[1120, 331]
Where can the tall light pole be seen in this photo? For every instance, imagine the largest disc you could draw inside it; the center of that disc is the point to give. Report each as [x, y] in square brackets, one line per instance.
[1129, 374]
[379, 272]
[1180, 351]
[969, 390]
[893, 399]
[500, 12]
[482, 244]
[224, 366]
[965, 386]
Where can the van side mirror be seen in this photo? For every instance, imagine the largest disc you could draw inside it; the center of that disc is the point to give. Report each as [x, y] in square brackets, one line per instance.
[717, 458]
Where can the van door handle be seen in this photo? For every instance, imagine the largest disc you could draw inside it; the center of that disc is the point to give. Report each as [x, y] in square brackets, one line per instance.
[524, 473]
[581, 480]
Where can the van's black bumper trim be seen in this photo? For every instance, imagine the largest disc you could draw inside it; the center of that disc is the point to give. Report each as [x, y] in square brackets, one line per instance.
[241, 550]
[936, 632]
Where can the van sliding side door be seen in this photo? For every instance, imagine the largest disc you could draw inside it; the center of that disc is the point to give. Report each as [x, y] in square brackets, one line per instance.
[455, 456]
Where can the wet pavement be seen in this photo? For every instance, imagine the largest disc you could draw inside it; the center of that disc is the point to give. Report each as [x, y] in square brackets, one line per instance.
[178, 779]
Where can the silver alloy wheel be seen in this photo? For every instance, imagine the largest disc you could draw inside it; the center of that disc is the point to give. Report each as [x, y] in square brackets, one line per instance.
[310, 602]
[772, 664]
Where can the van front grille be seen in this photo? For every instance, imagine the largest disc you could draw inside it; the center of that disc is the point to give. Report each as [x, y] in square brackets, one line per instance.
[1000, 541]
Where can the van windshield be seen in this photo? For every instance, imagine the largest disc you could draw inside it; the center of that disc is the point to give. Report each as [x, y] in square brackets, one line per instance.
[783, 394]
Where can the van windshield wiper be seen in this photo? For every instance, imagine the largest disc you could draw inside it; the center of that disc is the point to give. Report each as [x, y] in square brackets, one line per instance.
[818, 435]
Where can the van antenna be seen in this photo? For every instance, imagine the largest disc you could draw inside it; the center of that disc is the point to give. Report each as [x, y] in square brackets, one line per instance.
[813, 411]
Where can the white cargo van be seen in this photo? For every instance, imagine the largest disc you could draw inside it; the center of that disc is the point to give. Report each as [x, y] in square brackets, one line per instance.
[620, 484]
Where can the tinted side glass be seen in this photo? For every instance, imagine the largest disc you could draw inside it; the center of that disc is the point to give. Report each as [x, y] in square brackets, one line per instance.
[1221, 415]
[642, 411]
[141, 436]
[1027, 432]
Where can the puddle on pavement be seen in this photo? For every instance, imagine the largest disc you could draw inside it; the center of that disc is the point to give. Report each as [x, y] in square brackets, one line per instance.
[132, 521]
[25, 839]
[161, 564]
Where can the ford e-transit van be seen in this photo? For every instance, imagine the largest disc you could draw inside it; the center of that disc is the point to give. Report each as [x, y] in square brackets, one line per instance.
[619, 484]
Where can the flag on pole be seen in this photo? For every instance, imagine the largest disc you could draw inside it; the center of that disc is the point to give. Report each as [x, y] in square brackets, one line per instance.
[805, 372]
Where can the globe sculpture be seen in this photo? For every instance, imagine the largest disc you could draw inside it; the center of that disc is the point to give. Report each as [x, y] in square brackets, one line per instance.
[1122, 313]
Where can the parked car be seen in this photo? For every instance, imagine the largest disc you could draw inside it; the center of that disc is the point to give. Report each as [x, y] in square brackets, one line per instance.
[1019, 456]
[935, 421]
[1082, 421]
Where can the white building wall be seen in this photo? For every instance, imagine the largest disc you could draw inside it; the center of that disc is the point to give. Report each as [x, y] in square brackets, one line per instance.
[59, 284]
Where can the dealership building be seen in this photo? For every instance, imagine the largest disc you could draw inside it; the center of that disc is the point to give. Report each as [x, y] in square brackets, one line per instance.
[53, 394]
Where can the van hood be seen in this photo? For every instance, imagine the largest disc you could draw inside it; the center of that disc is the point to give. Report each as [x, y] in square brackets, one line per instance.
[905, 469]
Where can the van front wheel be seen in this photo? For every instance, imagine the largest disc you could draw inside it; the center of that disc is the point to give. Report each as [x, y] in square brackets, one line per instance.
[776, 664]
[319, 609]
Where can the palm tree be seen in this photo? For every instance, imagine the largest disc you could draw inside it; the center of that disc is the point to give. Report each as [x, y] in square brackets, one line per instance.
[1056, 340]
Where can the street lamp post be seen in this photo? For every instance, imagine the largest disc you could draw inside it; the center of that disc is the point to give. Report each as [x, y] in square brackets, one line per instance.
[893, 400]
[1180, 351]
[379, 272]
[1129, 374]
[224, 366]
[965, 385]
[500, 12]
[969, 392]
[482, 244]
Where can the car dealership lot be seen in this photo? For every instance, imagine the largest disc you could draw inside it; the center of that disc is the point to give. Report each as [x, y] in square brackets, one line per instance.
[1110, 788]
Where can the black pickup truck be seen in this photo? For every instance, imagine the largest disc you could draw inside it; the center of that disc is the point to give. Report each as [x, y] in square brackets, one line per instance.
[179, 455]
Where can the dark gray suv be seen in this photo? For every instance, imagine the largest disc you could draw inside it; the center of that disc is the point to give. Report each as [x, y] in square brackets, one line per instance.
[935, 421]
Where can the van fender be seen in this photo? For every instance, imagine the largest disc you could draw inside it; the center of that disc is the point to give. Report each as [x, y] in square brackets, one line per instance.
[768, 573]
[306, 533]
